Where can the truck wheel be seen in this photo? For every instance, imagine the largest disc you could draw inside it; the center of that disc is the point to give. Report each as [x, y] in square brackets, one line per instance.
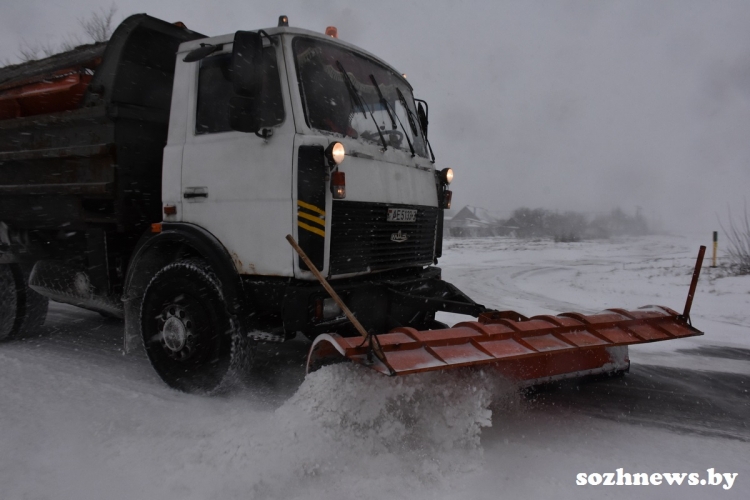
[193, 343]
[22, 310]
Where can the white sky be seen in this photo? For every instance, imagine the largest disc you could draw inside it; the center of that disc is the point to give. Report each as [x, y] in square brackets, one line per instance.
[568, 104]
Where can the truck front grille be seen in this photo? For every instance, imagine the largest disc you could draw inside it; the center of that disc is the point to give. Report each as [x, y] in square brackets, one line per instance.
[362, 239]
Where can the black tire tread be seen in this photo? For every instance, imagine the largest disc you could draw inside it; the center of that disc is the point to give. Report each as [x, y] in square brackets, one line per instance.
[22, 310]
[241, 351]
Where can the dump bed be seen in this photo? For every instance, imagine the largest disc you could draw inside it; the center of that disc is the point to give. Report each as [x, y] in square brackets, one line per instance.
[82, 133]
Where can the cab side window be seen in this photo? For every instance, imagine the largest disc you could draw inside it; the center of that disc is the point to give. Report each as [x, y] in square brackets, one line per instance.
[215, 91]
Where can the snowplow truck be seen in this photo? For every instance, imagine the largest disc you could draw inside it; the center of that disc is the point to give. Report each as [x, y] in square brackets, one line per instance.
[161, 176]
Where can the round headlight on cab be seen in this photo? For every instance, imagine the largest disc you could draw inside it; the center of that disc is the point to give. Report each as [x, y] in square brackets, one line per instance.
[335, 153]
[446, 175]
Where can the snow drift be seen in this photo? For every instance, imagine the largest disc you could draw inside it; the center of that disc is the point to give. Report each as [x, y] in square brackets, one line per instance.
[353, 431]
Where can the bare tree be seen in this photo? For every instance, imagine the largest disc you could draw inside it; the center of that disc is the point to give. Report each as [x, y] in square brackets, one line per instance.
[27, 51]
[738, 238]
[70, 42]
[30, 51]
[98, 26]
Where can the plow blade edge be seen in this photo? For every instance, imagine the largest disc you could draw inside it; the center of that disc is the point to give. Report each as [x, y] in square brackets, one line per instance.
[533, 350]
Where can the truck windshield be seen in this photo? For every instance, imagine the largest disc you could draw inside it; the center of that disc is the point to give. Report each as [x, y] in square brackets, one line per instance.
[332, 108]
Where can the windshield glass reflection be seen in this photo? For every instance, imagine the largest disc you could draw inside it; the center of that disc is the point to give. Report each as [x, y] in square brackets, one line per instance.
[352, 106]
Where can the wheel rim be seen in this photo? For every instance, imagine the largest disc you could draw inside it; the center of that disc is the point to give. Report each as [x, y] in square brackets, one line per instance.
[185, 329]
[175, 327]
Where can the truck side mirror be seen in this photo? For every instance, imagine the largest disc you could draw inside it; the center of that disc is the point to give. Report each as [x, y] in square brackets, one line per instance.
[246, 68]
[243, 114]
[423, 121]
[246, 64]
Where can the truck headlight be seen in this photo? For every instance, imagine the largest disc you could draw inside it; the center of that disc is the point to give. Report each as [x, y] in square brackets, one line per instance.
[335, 153]
[446, 175]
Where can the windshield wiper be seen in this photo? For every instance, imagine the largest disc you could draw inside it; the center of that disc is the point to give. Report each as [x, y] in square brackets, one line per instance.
[354, 94]
[412, 121]
[388, 109]
[401, 98]
[383, 101]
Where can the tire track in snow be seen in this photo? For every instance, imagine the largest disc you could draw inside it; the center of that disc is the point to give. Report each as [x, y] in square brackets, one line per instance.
[504, 289]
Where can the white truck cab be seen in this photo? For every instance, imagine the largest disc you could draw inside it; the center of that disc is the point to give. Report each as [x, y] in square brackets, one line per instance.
[250, 190]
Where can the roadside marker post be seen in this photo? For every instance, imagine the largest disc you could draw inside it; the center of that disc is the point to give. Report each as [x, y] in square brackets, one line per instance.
[716, 246]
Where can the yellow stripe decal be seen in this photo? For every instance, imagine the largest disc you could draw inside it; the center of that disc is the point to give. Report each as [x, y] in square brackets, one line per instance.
[312, 229]
[310, 207]
[313, 218]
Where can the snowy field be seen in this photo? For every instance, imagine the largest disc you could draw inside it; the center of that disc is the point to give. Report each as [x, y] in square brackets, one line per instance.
[80, 420]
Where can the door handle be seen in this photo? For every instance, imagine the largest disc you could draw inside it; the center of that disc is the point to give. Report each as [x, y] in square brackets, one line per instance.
[195, 192]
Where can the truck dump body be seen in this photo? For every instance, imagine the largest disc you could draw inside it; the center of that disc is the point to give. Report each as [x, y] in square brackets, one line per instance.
[99, 160]
[81, 141]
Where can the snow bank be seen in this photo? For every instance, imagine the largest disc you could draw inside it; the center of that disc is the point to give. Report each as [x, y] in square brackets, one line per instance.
[417, 416]
[352, 432]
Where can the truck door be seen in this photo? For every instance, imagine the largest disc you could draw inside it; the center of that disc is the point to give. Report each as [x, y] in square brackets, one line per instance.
[236, 185]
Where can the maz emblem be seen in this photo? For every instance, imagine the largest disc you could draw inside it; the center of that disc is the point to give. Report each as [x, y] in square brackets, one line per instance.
[399, 237]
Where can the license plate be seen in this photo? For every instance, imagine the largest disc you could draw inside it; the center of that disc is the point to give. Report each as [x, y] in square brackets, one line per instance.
[401, 215]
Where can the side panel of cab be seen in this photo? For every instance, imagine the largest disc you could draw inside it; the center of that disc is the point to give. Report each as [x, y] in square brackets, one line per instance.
[235, 185]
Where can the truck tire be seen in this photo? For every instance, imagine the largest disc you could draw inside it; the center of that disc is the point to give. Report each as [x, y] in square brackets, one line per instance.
[192, 341]
[22, 310]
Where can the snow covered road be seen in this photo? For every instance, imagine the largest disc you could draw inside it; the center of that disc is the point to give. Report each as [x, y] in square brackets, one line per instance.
[80, 420]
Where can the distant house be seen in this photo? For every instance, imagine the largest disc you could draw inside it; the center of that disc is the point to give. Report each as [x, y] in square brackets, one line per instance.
[473, 222]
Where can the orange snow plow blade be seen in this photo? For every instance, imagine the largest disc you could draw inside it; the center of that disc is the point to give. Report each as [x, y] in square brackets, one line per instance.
[528, 350]
[535, 349]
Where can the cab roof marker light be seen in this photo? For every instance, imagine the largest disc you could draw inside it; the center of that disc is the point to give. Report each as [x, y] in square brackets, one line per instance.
[332, 32]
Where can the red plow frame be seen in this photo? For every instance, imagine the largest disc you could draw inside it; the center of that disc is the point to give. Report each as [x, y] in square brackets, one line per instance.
[538, 349]
[528, 350]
